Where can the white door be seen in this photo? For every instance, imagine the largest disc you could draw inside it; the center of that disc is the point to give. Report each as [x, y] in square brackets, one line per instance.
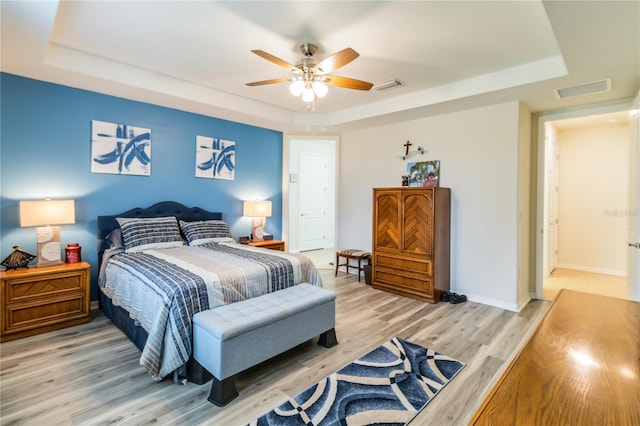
[312, 201]
[633, 277]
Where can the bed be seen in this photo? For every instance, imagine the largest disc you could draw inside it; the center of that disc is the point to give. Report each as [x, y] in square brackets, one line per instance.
[159, 266]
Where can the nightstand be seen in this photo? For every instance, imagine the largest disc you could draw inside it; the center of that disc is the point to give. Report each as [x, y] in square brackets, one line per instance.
[269, 244]
[37, 300]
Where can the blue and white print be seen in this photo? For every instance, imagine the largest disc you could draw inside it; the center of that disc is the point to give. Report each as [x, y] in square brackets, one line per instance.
[215, 158]
[120, 149]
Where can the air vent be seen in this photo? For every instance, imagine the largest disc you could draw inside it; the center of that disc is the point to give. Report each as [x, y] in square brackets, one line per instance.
[600, 86]
[389, 84]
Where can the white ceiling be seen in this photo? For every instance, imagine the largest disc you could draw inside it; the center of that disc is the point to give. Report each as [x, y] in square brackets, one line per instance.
[196, 55]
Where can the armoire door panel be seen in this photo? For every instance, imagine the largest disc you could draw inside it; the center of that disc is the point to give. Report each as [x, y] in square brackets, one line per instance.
[418, 223]
[388, 226]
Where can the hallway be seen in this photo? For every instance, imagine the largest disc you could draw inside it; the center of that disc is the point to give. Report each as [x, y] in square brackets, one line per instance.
[588, 282]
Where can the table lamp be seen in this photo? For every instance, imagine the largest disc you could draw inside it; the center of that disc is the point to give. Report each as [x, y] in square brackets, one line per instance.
[257, 211]
[44, 214]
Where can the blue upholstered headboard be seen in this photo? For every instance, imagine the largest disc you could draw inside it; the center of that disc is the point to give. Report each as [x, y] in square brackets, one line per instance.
[106, 224]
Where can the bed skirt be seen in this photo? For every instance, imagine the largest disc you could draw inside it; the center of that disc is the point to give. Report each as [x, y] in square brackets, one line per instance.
[120, 318]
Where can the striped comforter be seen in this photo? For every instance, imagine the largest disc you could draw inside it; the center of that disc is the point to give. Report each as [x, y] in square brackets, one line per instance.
[163, 289]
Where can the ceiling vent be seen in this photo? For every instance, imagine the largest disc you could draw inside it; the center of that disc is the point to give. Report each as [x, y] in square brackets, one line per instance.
[600, 86]
[389, 84]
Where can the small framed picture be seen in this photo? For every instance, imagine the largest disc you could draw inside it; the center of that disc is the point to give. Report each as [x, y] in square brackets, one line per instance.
[423, 173]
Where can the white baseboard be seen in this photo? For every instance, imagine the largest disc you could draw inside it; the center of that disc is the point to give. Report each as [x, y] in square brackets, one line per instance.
[495, 303]
[593, 270]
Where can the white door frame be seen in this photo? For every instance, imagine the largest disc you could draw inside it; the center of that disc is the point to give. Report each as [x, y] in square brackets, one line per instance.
[625, 105]
[289, 196]
[633, 285]
[550, 227]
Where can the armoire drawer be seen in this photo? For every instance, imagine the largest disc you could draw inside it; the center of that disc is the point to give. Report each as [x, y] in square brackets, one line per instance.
[406, 279]
[420, 266]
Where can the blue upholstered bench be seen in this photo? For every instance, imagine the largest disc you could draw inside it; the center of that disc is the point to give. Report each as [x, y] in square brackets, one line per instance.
[231, 338]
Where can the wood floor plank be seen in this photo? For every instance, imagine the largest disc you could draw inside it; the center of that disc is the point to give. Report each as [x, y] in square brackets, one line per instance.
[89, 374]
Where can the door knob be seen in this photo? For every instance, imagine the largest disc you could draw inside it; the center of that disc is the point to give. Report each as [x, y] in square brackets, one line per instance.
[636, 245]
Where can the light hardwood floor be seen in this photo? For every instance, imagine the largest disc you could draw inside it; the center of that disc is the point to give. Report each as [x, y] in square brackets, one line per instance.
[89, 374]
[587, 282]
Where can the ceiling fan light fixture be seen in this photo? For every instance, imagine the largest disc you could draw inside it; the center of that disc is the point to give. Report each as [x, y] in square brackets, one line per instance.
[296, 87]
[308, 95]
[311, 79]
[320, 89]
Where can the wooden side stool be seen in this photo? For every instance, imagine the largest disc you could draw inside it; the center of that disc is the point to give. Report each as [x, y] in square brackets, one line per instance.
[349, 254]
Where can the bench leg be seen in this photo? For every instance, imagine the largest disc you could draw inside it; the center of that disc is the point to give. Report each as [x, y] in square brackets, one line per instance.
[328, 338]
[197, 373]
[222, 392]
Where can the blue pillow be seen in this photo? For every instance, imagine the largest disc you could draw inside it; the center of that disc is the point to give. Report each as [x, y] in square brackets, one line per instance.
[115, 238]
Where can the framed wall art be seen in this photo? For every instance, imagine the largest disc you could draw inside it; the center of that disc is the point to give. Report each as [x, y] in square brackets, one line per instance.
[215, 158]
[120, 149]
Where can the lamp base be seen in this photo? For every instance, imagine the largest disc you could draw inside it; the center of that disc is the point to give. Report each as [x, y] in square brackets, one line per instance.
[42, 264]
[257, 233]
[257, 228]
[48, 246]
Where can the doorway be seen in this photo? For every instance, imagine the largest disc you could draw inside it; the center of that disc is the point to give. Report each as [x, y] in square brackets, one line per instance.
[310, 193]
[586, 177]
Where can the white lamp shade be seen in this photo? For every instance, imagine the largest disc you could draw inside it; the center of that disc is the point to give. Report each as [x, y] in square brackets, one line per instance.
[257, 209]
[47, 212]
[296, 88]
[308, 95]
[320, 89]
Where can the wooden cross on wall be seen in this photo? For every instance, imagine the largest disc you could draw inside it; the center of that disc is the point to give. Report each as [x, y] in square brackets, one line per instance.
[407, 145]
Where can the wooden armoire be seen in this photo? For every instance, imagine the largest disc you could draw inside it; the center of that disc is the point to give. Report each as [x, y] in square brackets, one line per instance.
[411, 241]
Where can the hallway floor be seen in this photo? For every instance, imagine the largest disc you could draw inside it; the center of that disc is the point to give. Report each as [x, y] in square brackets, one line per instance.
[588, 282]
[322, 258]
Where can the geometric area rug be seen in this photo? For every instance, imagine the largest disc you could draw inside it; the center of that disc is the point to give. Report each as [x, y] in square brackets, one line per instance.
[388, 385]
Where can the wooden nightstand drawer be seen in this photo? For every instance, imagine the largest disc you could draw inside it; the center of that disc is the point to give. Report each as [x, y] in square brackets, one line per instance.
[29, 315]
[37, 300]
[26, 288]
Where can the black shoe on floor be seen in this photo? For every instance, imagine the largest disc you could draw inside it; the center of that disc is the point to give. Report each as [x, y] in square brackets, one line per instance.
[457, 298]
[444, 297]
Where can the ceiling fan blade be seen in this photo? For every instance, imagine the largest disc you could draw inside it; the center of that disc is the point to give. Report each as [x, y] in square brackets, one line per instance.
[347, 83]
[269, 57]
[272, 81]
[335, 61]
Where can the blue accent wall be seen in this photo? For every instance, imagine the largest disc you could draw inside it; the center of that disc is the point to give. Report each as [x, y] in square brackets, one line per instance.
[45, 151]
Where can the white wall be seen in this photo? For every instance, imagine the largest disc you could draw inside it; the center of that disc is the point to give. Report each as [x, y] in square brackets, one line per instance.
[479, 158]
[593, 198]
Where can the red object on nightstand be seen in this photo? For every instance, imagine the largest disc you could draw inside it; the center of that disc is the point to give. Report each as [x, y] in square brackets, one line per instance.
[72, 253]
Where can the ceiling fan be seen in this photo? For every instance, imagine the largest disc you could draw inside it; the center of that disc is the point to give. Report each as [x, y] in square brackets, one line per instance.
[311, 77]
